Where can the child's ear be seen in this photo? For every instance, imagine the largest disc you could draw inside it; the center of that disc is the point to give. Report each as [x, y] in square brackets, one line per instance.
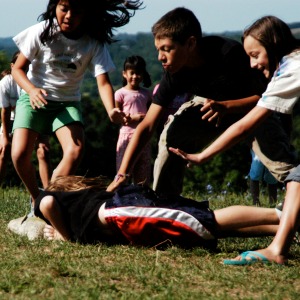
[191, 42]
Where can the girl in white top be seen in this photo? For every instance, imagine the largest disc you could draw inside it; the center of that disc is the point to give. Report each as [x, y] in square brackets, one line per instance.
[70, 39]
[9, 94]
[273, 50]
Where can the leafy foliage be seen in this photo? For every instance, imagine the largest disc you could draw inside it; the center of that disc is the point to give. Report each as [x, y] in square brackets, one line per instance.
[226, 172]
[4, 61]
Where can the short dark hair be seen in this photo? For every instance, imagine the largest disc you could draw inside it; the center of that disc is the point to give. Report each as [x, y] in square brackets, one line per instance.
[178, 24]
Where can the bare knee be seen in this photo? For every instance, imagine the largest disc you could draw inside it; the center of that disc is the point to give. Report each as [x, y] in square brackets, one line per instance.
[19, 156]
[75, 152]
[47, 205]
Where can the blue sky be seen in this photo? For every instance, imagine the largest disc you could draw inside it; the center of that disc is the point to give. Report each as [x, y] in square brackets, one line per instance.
[214, 15]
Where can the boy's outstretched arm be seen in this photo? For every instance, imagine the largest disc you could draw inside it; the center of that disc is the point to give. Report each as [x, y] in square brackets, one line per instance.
[235, 133]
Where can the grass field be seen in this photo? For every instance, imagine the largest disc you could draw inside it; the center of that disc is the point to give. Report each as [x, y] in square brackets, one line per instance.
[54, 270]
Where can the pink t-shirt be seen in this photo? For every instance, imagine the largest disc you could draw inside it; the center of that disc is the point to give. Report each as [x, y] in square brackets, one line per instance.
[133, 102]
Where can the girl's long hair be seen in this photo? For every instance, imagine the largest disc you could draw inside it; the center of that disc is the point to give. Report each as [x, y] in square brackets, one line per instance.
[275, 36]
[138, 64]
[101, 17]
[77, 183]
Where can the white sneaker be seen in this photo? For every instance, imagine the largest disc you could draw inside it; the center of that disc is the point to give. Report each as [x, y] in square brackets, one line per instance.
[32, 227]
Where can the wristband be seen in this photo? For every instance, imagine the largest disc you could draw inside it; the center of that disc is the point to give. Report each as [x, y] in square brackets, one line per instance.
[118, 176]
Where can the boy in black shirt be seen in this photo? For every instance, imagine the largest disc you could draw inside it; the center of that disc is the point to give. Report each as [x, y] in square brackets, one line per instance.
[214, 68]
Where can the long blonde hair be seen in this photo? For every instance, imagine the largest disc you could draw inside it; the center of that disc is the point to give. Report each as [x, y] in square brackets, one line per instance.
[77, 183]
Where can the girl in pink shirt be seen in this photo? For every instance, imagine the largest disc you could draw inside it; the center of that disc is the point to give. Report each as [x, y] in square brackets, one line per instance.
[134, 101]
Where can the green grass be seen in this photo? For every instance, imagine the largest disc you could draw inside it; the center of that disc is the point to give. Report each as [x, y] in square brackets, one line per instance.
[54, 270]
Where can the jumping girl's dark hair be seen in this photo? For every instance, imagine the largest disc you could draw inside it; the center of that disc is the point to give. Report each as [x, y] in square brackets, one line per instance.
[138, 64]
[100, 17]
[178, 25]
[275, 36]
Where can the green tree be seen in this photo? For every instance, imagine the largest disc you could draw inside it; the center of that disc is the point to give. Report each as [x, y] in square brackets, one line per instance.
[4, 61]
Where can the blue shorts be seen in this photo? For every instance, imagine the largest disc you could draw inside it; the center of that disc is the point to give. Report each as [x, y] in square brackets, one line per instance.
[258, 172]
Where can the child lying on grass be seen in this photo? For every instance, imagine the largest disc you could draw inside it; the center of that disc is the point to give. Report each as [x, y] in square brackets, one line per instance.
[79, 209]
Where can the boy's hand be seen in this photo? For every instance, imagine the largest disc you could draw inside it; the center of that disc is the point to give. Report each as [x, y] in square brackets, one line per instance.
[214, 110]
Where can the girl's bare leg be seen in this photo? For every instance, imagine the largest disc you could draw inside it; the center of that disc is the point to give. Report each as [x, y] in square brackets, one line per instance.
[71, 139]
[4, 157]
[289, 223]
[278, 250]
[43, 155]
[52, 212]
[22, 148]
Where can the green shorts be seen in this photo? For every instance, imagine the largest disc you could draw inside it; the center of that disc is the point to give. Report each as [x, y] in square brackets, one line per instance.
[48, 118]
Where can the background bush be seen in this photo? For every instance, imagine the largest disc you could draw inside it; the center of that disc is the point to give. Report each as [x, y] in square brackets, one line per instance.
[227, 171]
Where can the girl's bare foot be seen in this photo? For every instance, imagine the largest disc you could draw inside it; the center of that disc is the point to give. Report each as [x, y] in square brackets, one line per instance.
[264, 255]
[51, 234]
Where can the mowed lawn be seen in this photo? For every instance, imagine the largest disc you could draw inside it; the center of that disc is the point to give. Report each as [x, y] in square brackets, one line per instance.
[42, 269]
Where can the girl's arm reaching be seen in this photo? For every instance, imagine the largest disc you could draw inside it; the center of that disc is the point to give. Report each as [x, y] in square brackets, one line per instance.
[215, 110]
[235, 133]
[107, 95]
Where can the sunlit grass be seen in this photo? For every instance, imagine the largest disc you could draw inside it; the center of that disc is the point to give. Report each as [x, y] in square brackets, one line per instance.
[54, 270]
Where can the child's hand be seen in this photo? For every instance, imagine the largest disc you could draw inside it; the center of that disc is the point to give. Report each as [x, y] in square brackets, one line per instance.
[214, 110]
[192, 159]
[36, 96]
[4, 142]
[118, 180]
[127, 119]
[117, 116]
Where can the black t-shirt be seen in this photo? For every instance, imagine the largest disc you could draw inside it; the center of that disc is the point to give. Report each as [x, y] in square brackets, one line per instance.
[225, 75]
[79, 210]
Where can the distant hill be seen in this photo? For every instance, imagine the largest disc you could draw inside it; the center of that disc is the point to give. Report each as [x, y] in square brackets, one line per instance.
[135, 44]
[295, 25]
[7, 45]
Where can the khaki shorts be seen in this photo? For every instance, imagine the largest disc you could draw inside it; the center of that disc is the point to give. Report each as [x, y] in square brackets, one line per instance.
[294, 175]
[187, 131]
[48, 118]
